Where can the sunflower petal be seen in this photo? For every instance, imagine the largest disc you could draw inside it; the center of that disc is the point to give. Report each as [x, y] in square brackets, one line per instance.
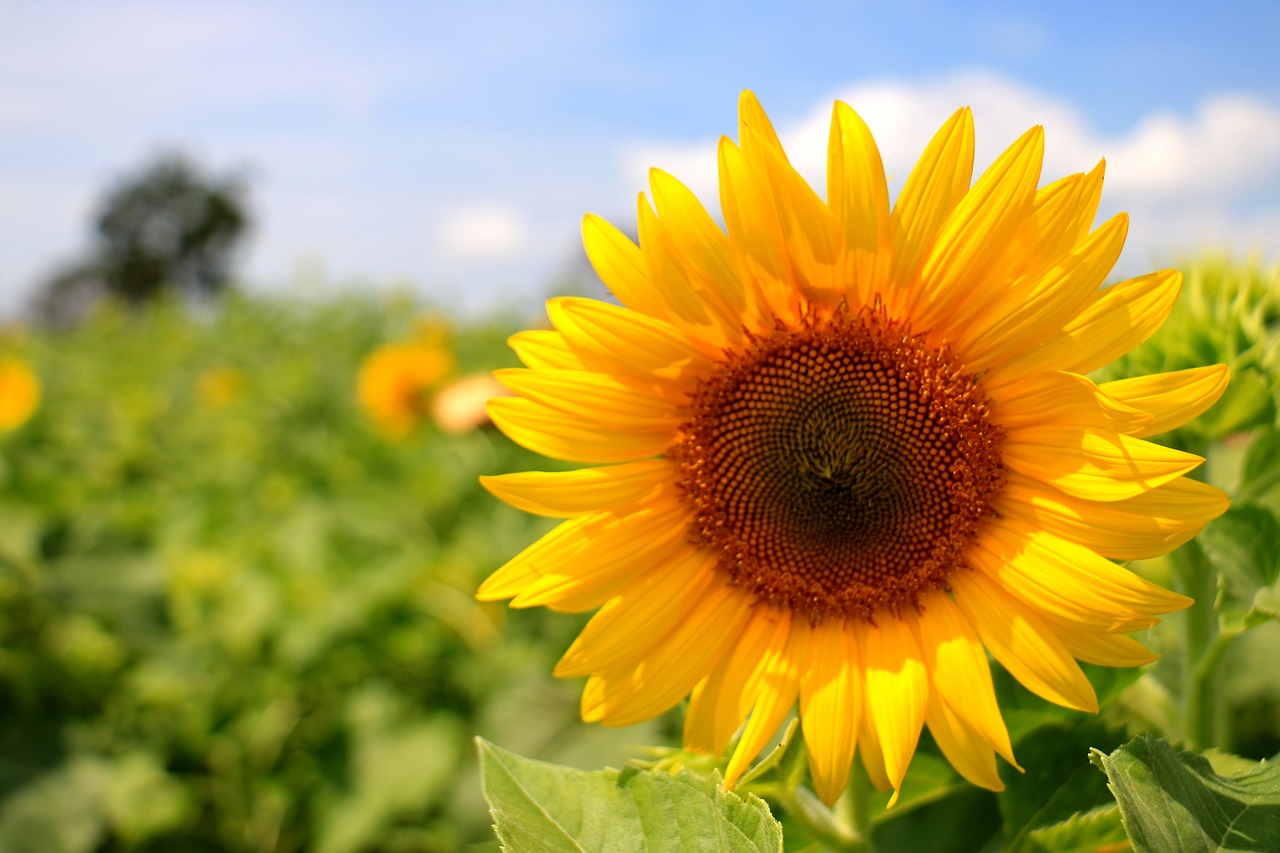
[859, 197]
[895, 691]
[1172, 399]
[1114, 320]
[553, 433]
[830, 706]
[1023, 642]
[933, 189]
[561, 494]
[717, 708]
[777, 683]
[958, 670]
[1092, 463]
[596, 397]
[968, 753]
[1137, 528]
[668, 672]
[977, 231]
[544, 348]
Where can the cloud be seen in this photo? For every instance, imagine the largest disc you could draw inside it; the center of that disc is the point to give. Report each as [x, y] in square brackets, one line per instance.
[1210, 179]
[492, 230]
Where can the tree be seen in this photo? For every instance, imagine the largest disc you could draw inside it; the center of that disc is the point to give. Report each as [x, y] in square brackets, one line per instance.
[167, 228]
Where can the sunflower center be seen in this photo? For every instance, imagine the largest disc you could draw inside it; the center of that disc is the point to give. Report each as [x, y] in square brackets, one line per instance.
[840, 468]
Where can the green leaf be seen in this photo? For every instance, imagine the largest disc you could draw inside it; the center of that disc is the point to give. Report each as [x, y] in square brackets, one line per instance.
[1244, 547]
[1175, 800]
[1083, 832]
[1260, 473]
[1058, 781]
[544, 808]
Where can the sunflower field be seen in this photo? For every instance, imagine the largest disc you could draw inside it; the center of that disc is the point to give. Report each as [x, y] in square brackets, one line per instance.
[238, 575]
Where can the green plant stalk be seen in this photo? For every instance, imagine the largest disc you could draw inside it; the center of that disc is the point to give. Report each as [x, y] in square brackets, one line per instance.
[1194, 577]
[820, 822]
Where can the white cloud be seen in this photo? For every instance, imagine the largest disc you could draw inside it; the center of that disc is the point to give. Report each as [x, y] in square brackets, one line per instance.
[491, 230]
[1211, 179]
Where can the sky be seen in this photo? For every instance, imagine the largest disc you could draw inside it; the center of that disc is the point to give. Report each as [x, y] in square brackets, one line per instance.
[453, 147]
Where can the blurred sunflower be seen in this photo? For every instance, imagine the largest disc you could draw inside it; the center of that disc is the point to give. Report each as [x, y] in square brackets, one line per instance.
[19, 393]
[219, 386]
[857, 451]
[396, 384]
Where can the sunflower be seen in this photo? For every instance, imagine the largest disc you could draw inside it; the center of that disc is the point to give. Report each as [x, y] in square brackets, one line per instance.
[397, 382]
[845, 450]
[19, 393]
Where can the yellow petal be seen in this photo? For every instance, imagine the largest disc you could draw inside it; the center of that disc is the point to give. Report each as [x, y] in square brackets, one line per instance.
[598, 398]
[933, 189]
[1093, 463]
[668, 672]
[705, 248]
[617, 340]
[812, 239]
[1006, 331]
[751, 219]
[609, 558]
[642, 615]
[859, 197]
[1023, 642]
[561, 494]
[958, 670]
[895, 690]
[1137, 528]
[695, 305]
[1102, 648]
[776, 684]
[544, 348]
[553, 433]
[968, 753]
[830, 705]
[1056, 398]
[553, 549]
[622, 267]
[1172, 399]
[1079, 571]
[1114, 320]
[977, 231]
[717, 707]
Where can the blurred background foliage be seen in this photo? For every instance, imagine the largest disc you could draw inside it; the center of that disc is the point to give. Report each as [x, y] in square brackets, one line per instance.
[235, 617]
[236, 612]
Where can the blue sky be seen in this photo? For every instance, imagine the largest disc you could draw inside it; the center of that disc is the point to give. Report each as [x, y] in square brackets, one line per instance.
[455, 145]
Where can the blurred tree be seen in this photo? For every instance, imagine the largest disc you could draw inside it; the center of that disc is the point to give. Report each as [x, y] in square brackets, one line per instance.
[168, 228]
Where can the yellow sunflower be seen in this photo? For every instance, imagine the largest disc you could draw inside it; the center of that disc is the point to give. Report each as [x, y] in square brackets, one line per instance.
[852, 449]
[397, 382]
[19, 393]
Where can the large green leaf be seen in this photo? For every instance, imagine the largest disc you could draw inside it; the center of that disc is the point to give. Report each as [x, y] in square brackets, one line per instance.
[1176, 800]
[1244, 547]
[544, 808]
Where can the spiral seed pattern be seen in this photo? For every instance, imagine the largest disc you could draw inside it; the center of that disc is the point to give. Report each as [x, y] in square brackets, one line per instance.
[840, 468]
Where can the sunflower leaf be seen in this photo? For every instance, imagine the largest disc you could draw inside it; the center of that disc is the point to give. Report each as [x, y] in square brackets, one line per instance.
[1244, 547]
[544, 808]
[1083, 832]
[1176, 800]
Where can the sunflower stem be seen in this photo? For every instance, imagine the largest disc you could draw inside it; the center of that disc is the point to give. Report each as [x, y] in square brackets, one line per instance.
[821, 823]
[1203, 646]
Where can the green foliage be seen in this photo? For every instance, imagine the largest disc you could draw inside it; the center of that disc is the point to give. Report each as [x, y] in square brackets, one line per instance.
[1175, 800]
[542, 808]
[245, 622]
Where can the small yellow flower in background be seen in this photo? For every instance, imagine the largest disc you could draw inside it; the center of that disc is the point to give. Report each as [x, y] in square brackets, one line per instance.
[218, 386]
[846, 449]
[461, 406]
[19, 393]
[397, 382]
